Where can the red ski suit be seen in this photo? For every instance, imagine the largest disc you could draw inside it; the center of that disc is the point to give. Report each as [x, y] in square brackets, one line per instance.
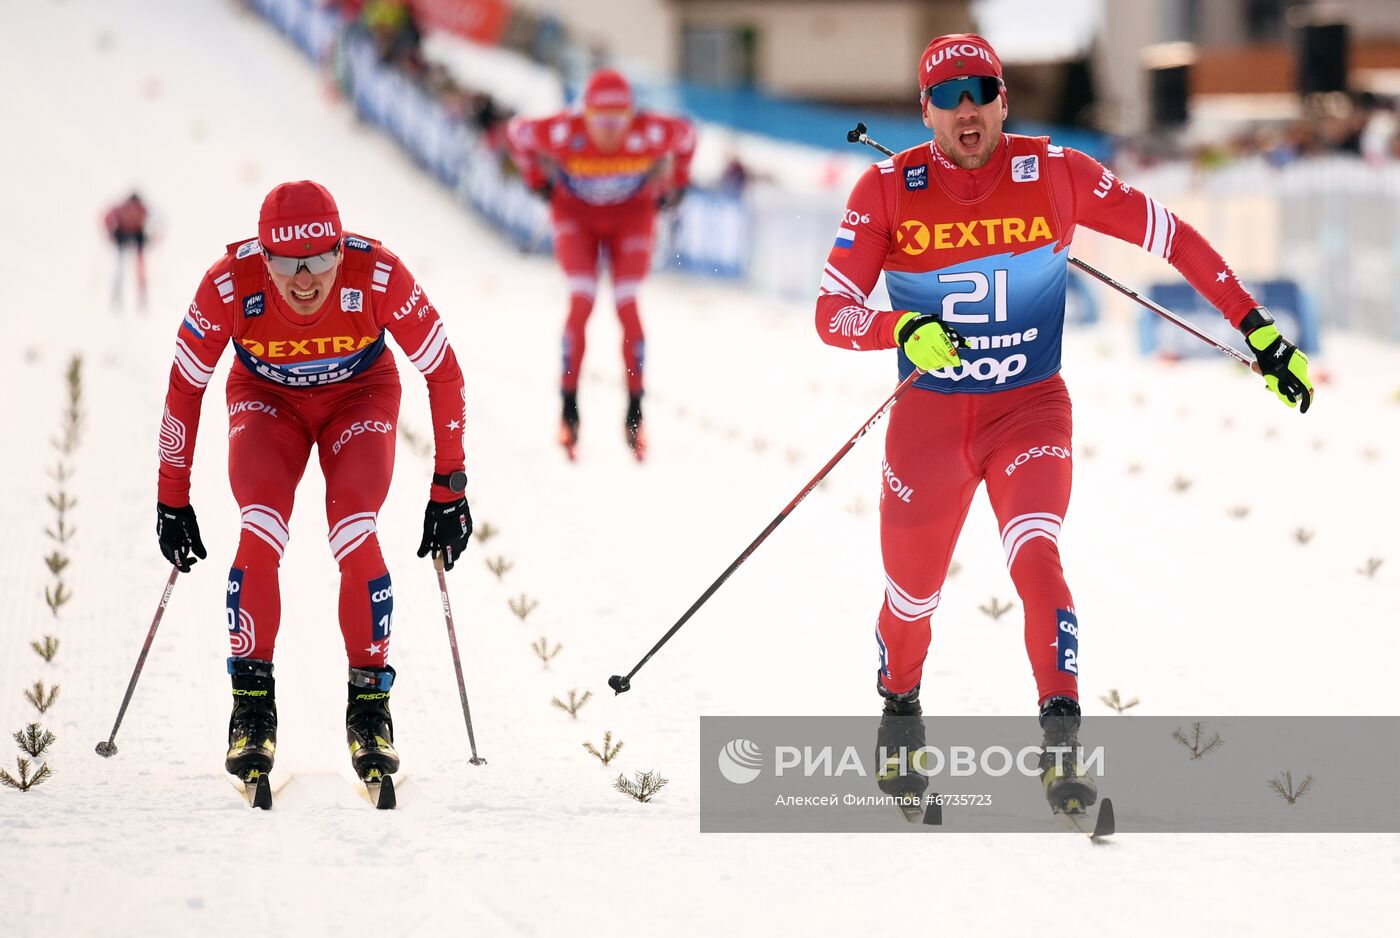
[986, 249]
[327, 381]
[603, 200]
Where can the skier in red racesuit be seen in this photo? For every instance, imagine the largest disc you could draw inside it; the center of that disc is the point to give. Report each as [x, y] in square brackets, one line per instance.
[971, 231]
[126, 225]
[605, 169]
[307, 307]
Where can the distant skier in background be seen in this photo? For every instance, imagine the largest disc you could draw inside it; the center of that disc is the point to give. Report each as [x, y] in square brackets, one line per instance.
[605, 169]
[306, 306]
[971, 231]
[126, 225]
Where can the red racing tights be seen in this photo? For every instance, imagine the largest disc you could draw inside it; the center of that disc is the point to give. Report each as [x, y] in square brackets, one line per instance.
[271, 432]
[626, 235]
[939, 448]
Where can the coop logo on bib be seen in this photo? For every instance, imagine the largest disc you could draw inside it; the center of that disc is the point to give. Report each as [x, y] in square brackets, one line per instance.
[985, 369]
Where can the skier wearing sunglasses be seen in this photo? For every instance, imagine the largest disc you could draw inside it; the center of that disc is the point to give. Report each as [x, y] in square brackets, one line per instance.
[971, 231]
[306, 307]
[605, 168]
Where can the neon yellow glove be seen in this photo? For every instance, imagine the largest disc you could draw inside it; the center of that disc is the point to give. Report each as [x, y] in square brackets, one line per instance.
[929, 344]
[1284, 366]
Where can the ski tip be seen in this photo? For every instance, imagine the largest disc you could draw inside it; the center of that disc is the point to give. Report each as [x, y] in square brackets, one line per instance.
[387, 799]
[619, 684]
[933, 814]
[261, 791]
[568, 439]
[1105, 824]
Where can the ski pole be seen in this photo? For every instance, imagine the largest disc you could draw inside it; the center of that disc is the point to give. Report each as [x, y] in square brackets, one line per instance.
[623, 683]
[108, 747]
[456, 658]
[1166, 314]
[858, 135]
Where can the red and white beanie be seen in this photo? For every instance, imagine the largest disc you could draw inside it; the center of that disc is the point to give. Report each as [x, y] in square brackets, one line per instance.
[607, 90]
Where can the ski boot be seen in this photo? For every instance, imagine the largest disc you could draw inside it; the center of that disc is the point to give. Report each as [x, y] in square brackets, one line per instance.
[1067, 788]
[369, 728]
[897, 741]
[632, 425]
[252, 726]
[568, 425]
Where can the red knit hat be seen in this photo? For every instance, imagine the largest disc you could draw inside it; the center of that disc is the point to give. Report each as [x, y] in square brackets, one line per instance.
[299, 219]
[957, 56]
[607, 90]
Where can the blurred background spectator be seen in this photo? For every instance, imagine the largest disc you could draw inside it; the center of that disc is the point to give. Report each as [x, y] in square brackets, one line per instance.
[126, 223]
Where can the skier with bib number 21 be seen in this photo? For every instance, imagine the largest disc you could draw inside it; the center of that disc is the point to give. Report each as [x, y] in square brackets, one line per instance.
[972, 231]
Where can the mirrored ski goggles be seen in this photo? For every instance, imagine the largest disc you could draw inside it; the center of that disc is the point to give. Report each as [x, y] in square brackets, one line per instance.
[316, 264]
[947, 95]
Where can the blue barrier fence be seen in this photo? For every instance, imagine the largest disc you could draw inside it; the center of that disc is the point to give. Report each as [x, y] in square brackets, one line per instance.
[1291, 309]
[708, 234]
[825, 126]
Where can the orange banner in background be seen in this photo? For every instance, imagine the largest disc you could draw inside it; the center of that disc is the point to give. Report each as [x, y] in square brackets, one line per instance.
[478, 20]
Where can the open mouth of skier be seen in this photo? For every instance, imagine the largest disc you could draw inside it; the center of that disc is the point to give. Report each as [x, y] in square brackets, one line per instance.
[969, 141]
[304, 296]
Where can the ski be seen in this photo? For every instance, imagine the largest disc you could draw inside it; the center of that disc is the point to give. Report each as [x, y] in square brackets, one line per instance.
[636, 442]
[257, 789]
[379, 789]
[1103, 823]
[260, 789]
[568, 438]
[916, 809]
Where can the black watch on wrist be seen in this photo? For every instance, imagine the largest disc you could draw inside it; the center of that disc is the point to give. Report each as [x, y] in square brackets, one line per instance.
[455, 481]
[1256, 317]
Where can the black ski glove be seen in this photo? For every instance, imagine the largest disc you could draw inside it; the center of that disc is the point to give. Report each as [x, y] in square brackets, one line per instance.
[446, 528]
[178, 532]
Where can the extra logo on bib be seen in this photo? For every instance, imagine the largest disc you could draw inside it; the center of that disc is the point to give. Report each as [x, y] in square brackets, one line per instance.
[1025, 169]
[916, 177]
[253, 305]
[351, 300]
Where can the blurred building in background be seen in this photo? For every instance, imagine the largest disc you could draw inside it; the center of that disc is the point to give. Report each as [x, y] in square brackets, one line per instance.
[851, 53]
[1206, 68]
[823, 49]
[1268, 124]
